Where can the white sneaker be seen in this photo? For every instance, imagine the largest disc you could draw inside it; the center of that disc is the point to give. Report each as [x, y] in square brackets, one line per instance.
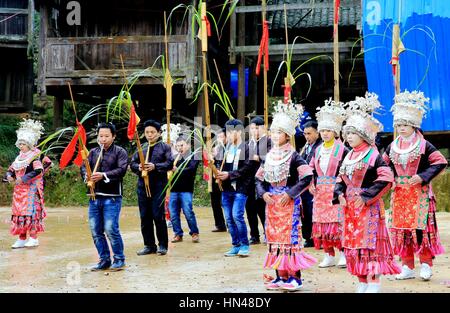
[327, 261]
[19, 244]
[406, 273]
[32, 243]
[373, 288]
[362, 287]
[292, 284]
[426, 272]
[342, 263]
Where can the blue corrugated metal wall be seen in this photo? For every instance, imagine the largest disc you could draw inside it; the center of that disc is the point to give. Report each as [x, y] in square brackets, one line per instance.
[425, 66]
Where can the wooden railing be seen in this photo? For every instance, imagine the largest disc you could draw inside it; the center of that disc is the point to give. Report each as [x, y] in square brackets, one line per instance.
[84, 56]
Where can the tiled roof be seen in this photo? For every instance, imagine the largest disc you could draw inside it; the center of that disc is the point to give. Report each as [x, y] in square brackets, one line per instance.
[349, 14]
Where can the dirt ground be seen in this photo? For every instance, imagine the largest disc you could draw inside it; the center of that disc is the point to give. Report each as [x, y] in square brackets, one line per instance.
[61, 262]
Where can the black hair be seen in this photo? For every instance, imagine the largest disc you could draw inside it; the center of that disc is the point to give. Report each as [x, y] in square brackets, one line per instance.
[312, 124]
[152, 123]
[108, 125]
[257, 120]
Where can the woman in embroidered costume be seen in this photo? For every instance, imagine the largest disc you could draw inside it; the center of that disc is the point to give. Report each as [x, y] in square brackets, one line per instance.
[327, 217]
[280, 181]
[26, 172]
[364, 179]
[415, 163]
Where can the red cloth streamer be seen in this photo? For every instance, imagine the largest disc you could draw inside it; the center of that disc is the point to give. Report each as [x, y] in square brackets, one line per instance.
[132, 123]
[394, 65]
[205, 165]
[68, 152]
[336, 14]
[263, 48]
[287, 91]
[208, 25]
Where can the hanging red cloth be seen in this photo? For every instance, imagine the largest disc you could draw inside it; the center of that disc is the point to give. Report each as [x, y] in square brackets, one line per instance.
[263, 48]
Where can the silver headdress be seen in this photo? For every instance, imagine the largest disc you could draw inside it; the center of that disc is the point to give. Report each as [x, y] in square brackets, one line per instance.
[409, 108]
[29, 132]
[360, 117]
[331, 116]
[286, 117]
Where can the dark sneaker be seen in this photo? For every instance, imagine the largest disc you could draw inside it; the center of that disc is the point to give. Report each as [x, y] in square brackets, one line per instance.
[162, 251]
[118, 265]
[146, 250]
[101, 266]
[254, 241]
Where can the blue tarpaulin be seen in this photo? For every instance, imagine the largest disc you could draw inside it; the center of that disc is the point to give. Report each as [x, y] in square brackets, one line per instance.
[425, 65]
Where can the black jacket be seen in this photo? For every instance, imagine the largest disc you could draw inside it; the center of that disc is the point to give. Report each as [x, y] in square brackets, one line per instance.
[114, 163]
[161, 155]
[243, 176]
[185, 180]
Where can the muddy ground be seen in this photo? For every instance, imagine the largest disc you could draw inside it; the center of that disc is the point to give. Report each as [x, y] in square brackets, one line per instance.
[61, 262]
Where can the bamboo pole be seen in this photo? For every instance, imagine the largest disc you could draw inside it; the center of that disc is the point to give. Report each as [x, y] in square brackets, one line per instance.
[266, 96]
[84, 154]
[144, 173]
[204, 40]
[336, 54]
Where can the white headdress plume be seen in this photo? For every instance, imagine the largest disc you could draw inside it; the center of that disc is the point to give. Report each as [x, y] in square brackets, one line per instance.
[286, 117]
[360, 117]
[331, 116]
[175, 131]
[409, 108]
[29, 132]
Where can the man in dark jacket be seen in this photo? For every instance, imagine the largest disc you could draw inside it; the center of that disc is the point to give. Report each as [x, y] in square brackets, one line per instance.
[104, 211]
[185, 168]
[216, 194]
[236, 177]
[259, 144]
[313, 140]
[158, 162]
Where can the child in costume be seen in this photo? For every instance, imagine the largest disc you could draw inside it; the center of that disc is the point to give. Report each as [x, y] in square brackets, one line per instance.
[364, 179]
[279, 181]
[26, 172]
[415, 162]
[327, 217]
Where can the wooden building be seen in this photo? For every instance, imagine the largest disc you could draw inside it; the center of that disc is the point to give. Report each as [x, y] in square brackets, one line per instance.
[86, 53]
[312, 22]
[16, 67]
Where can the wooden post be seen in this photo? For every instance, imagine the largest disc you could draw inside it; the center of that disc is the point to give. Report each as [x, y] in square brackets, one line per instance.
[42, 50]
[266, 96]
[241, 67]
[58, 109]
[336, 55]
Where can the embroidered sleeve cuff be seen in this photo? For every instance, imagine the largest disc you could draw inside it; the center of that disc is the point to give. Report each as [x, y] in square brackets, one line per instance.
[384, 173]
[304, 170]
[260, 174]
[437, 158]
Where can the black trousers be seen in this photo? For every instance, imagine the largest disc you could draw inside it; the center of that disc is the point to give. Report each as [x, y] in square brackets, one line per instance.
[152, 212]
[216, 204]
[255, 208]
[306, 216]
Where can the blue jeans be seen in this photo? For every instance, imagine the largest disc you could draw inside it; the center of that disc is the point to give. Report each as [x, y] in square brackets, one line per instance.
[104, 215]
[234, 207]
[178, 201]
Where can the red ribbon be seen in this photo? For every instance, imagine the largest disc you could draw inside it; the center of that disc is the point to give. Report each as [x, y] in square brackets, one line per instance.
[132, 123]
[208, 25]
[394, 66]
[287, 91]
[68, 152]
[263, 48]
[336, 15]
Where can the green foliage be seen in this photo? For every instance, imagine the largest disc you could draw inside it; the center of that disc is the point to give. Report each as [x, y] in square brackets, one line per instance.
[8, 150]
